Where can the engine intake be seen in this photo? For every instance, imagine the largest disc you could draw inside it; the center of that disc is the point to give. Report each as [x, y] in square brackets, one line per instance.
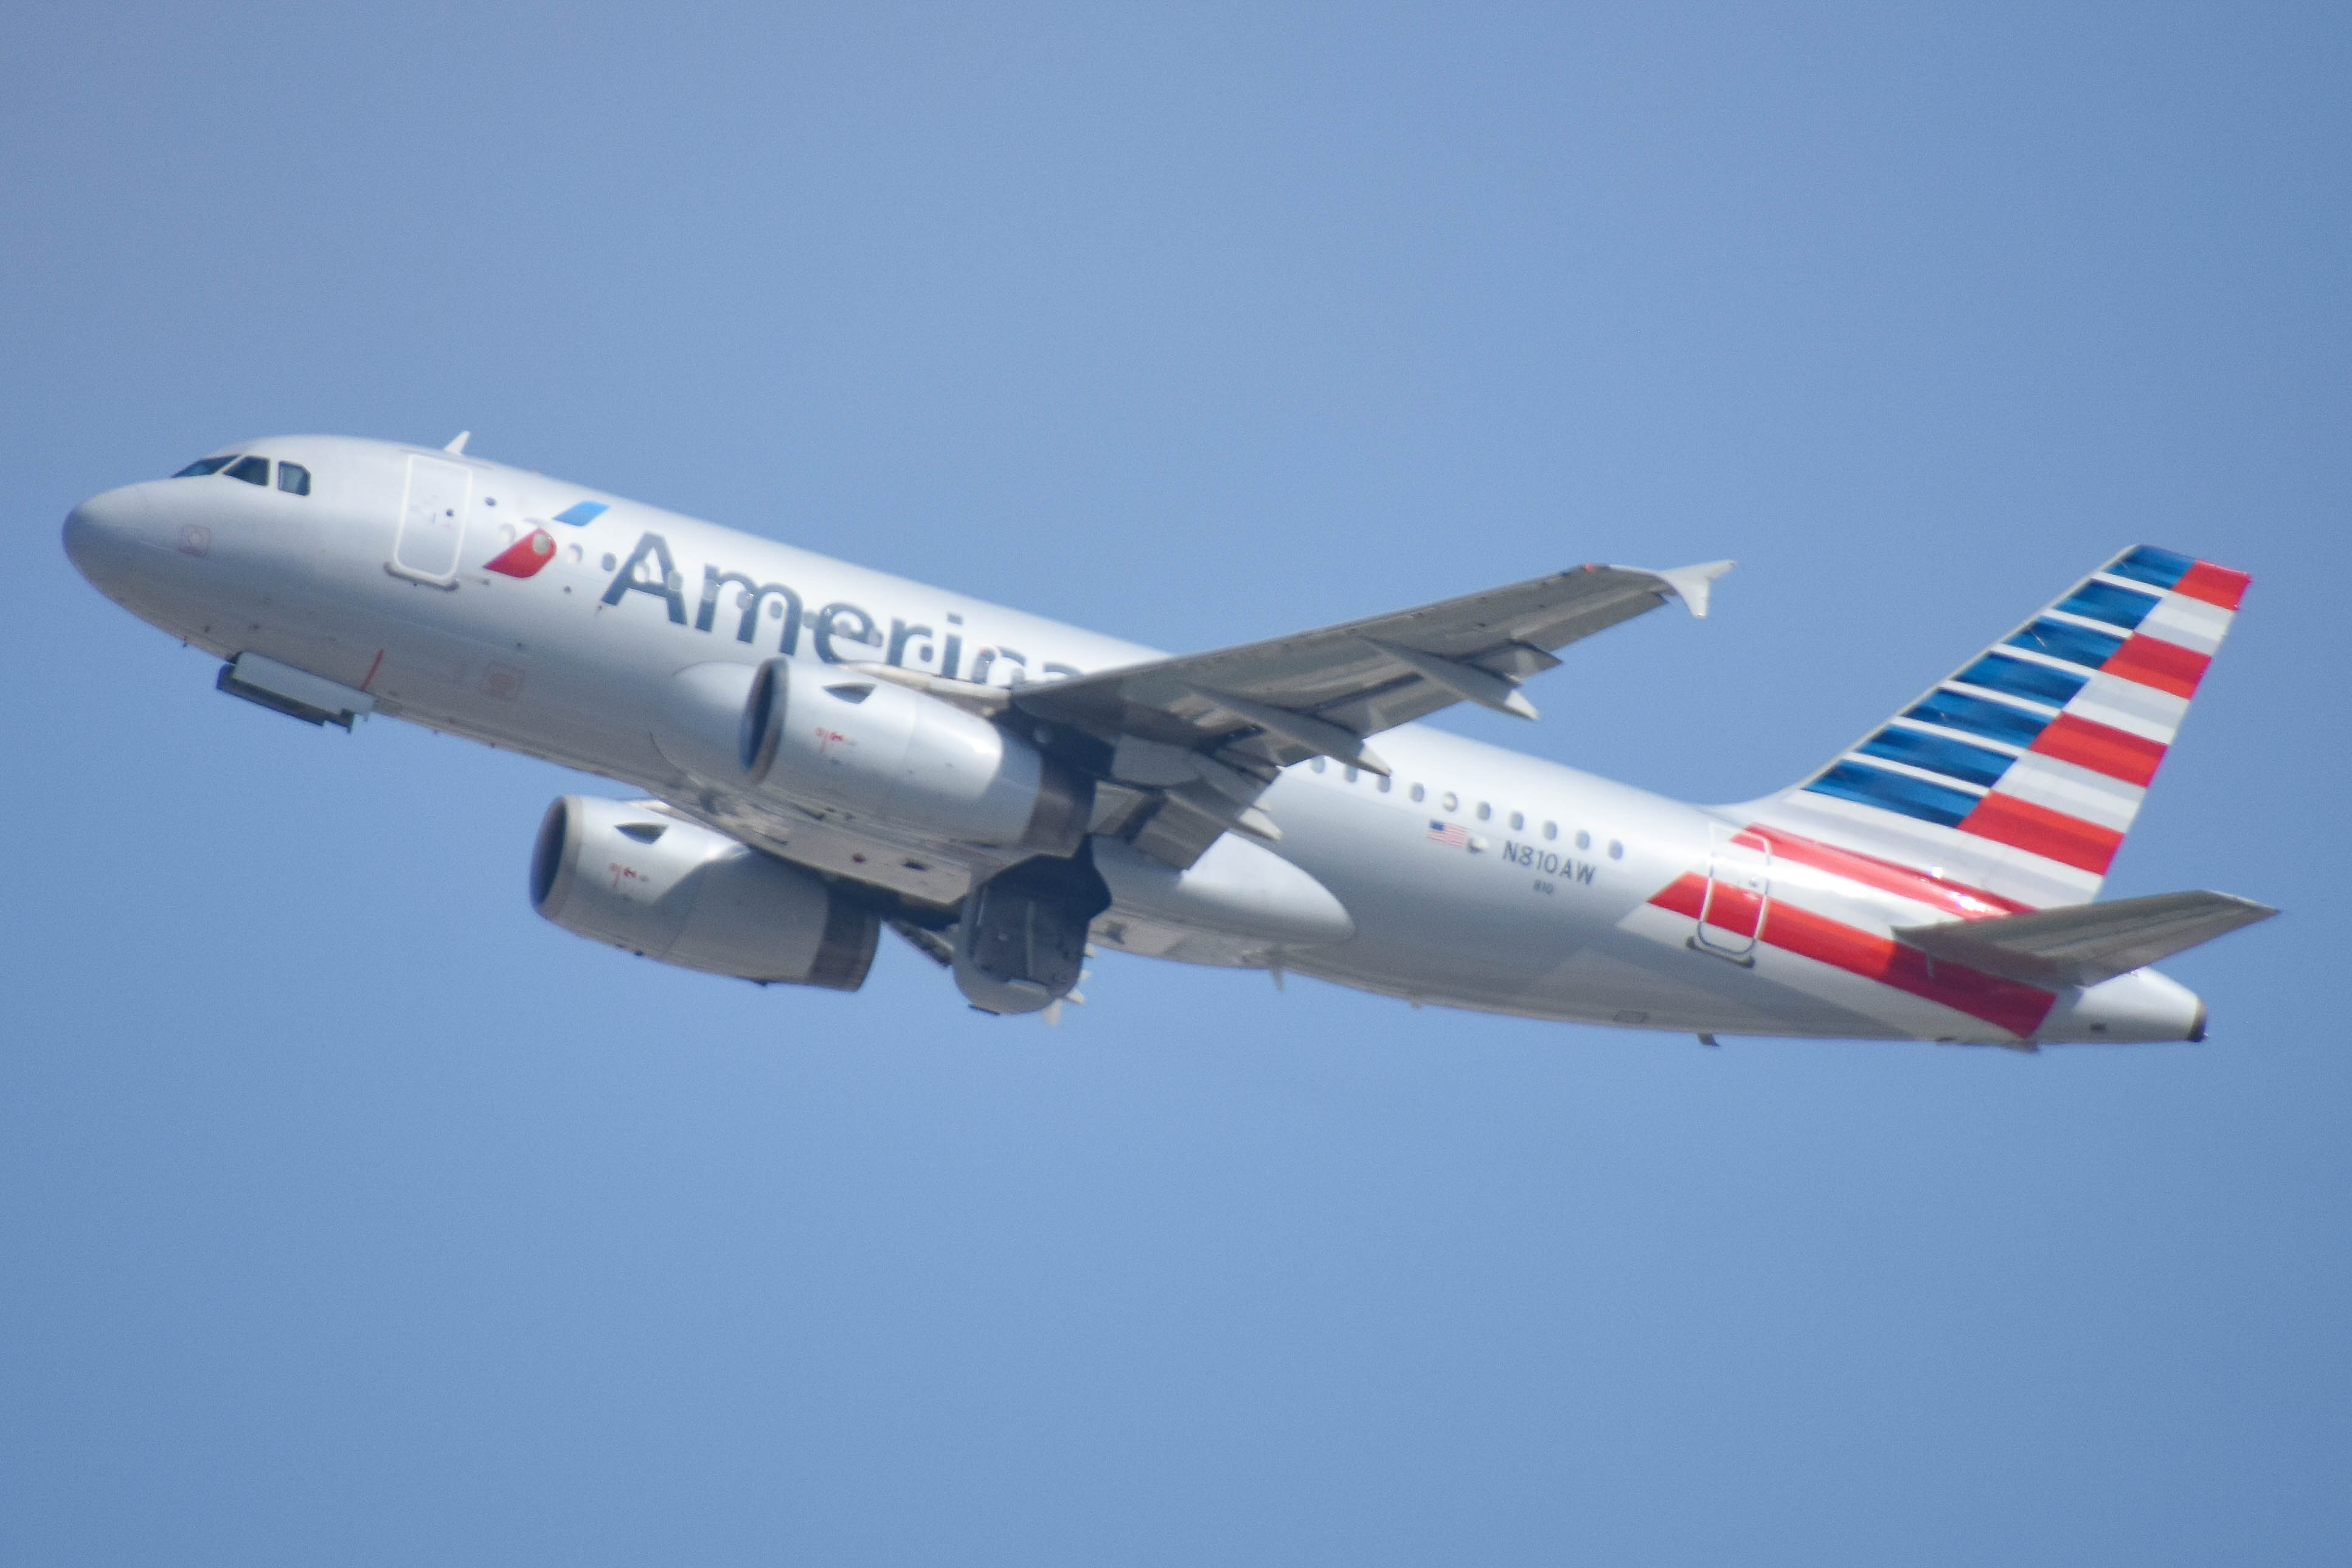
[680, 893]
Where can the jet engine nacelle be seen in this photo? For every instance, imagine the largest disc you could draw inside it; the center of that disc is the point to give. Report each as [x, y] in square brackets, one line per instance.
[878, 749]
[679, 892]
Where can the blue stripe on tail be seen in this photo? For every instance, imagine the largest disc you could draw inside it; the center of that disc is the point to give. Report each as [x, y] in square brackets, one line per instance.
[1896, 792]
[2157, 568]
[1937, 755]
[2117, 606]
[2034, 682]
[1993, 720]
[2064, 639]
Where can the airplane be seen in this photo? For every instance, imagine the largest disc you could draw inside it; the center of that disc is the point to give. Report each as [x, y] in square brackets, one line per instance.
[816, 753]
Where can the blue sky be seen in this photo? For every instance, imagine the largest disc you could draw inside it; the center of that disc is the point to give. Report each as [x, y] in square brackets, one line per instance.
[351, 1213]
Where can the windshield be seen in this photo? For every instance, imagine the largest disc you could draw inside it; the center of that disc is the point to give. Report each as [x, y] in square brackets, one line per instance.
[203, 466]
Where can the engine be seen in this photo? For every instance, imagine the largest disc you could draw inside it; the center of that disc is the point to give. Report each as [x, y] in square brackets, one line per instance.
[680, 893]
[836, 737]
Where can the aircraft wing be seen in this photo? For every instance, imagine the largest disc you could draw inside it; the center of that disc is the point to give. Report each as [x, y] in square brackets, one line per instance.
[1203, 733]
[2082, 944]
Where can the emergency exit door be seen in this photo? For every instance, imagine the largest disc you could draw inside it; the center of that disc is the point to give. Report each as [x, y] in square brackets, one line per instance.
[1739, 897]
[433, 521]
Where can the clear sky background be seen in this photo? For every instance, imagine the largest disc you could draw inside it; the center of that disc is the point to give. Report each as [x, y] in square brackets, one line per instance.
[349, 1213]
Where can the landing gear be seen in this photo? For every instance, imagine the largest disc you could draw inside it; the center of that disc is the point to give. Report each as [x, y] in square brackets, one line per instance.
[1021, 940]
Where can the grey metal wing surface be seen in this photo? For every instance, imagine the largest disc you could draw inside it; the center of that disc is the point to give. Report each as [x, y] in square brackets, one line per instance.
[2082, 944]
[1195, 739]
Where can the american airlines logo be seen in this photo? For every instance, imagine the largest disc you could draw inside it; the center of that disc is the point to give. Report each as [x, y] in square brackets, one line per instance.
[651, 570]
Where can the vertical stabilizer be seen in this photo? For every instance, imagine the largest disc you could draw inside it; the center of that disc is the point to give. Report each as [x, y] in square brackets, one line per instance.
[2018, 775]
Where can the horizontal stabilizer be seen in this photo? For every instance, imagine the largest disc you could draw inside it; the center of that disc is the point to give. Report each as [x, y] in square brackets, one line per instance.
[2082, 944]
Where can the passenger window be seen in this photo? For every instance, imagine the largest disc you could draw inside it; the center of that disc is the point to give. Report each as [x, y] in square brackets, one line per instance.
[1583, 840]
[1317, 764]
[1484, 811]
[1387, 784]
[1518, 821]
[294, 479]
[1551, 830]
[204, 465]
[1419, 792]
[252, 470]
[1616, 849]
[1452, 800]
[1351, 775]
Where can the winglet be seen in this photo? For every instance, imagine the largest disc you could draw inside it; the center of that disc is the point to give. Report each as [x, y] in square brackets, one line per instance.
[458, 443]
[1689, 584]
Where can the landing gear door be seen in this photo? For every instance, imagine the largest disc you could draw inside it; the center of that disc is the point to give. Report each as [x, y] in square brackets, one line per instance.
[433, 521]
[1738, 898]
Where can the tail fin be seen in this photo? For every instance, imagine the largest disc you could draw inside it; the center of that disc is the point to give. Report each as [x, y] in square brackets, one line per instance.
[2020, 773]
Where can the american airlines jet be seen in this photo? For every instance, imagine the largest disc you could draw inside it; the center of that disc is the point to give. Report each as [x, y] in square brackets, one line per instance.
[818, 752]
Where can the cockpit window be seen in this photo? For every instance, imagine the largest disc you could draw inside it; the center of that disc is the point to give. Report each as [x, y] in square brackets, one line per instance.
[294, 479]
[203, 466]
[252, 470]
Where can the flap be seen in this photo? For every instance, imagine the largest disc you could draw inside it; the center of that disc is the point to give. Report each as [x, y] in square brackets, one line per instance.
[2082, 944]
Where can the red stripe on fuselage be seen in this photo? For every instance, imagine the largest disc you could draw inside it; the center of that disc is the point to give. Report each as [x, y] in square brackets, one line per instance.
[2038, 830]
[2165, 666]
[2101, 748]
[2214, 584]
[1733, 909]
[1903, 882]
[2007, 1004]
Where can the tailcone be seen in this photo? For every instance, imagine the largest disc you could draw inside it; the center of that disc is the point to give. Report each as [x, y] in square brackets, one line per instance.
[2139, 1009]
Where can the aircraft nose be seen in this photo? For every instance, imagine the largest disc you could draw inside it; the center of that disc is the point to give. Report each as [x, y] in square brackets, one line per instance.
[101, 534]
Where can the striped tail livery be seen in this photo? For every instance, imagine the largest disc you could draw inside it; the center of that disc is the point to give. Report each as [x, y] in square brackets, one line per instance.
[2019, 774]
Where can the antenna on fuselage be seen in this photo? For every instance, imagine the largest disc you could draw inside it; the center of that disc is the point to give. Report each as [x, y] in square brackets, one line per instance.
[458, 443]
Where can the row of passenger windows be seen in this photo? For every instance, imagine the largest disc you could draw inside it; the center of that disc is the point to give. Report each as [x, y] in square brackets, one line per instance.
[1483, 811]
[292, 478]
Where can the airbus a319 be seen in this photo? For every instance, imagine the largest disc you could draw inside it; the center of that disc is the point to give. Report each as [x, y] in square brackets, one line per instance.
[816, 752]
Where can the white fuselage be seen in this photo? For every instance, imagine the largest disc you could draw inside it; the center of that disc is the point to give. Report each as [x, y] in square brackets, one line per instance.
[1545, 904]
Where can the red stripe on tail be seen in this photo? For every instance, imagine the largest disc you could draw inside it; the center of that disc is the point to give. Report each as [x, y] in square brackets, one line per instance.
[2038, 830]
[2214, 584]
[2165, 666]
[2101, 748]
[1903, 882]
